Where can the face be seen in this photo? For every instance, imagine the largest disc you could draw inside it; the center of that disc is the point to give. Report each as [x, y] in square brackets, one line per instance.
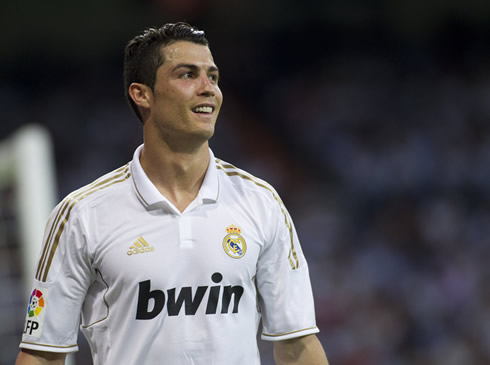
[186, 98]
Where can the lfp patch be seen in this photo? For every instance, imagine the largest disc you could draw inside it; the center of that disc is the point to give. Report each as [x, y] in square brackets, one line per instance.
[233, 243]
[35, 313]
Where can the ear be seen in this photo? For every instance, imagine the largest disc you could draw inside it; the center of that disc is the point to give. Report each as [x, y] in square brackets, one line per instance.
[141, 95]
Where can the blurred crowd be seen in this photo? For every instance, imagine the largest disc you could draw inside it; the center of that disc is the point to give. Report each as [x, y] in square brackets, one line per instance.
[385, 167]
[398, 230]
[381, 152]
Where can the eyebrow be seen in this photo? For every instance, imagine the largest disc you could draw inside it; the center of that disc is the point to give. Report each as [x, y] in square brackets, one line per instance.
[195, 67]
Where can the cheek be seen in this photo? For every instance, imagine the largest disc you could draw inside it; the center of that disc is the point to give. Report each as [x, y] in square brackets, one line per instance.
[175, 91]
[219, 96]
[170, 100]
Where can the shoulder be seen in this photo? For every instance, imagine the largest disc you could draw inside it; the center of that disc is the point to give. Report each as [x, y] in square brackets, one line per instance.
[243, 182]
[97, 191]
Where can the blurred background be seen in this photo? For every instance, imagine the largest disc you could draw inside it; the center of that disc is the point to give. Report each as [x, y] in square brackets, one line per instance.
[371, 119]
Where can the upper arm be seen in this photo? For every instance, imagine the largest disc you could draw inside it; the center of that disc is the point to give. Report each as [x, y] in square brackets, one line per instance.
[59, 287]
[283, 283]
[31, 357]
[300, 351]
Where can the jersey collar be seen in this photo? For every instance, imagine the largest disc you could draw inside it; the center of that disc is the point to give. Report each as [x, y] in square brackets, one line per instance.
[151, 198]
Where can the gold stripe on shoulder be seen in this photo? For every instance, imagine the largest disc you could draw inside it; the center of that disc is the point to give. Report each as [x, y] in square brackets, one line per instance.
[63, 214]
[239, 172]
[62, 209]
[100, 186]
[65, 205]
[231, 170]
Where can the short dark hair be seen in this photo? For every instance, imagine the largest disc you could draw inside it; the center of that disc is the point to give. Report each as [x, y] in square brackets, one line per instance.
[143, 56]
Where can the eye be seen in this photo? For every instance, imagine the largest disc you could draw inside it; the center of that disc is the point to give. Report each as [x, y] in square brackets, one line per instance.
[214, 78]
[187, 75]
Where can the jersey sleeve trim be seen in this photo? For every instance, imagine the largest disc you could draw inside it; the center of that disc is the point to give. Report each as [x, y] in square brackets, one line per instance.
[63, 213]
[288, 335]
[231, 170]
[48, 348]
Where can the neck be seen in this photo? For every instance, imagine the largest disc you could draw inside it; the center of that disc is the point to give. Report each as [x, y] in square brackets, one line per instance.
[177, 173]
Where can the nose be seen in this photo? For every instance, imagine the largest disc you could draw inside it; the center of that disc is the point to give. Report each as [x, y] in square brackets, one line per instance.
[206, 86]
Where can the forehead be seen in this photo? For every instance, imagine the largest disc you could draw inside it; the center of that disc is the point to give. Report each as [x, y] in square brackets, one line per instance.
[187, 52]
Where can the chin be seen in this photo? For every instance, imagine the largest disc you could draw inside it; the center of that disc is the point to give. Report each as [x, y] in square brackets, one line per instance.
[207, 132]
[203, 136]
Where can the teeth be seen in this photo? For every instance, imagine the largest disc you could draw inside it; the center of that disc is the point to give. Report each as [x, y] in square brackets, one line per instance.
[203, 109]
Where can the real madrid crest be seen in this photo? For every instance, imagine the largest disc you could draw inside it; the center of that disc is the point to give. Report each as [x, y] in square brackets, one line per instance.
[234, 244]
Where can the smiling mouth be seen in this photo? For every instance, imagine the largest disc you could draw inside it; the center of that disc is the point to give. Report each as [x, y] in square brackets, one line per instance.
[203, 109]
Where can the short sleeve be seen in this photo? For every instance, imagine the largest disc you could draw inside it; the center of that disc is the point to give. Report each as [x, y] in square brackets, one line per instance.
[61, 280]
[283, 283]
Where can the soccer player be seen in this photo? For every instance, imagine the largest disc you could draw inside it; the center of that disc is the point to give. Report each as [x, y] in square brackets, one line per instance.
[175, 257]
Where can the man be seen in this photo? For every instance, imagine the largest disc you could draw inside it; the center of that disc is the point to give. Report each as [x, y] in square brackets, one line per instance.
[175, 257]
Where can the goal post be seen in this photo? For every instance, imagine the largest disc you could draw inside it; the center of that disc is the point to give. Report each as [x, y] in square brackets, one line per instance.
[27, 168]
[27, 164]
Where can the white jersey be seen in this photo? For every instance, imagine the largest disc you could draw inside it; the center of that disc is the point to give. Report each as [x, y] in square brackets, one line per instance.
[154, 285]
